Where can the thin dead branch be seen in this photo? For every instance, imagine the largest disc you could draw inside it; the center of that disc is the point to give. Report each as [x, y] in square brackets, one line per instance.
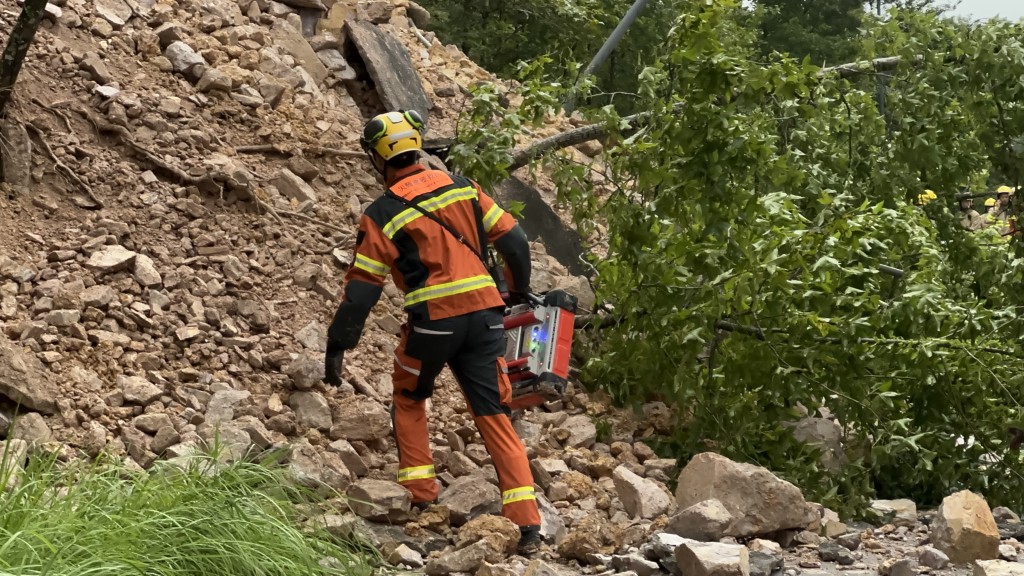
[61, 167]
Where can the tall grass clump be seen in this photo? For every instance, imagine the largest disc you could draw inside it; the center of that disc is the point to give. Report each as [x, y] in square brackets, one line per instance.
[206, 519]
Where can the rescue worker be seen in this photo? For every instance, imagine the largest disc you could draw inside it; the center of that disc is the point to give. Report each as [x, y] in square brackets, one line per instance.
[971, 219]
[999, 214]
[925, 197]
[429, 231]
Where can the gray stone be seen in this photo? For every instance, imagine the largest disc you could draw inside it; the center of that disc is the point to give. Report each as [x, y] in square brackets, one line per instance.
[552, 526]
[221, 407]
[405, 556]
[932, 558]
[294, 187]
[313, 337]
[1004, 515]
[641, 498]
[901, 512]
[333, 60]
[706, 521]
[164, 439]
[636, 564]
[379, 500]
[311, 410]
[418, 14]
[582, 431]
[306, 370]
[17, 156]
[712, 559]
[62, 318]
[291, 41]
[825, 435]
[138, 390]
[111, 259]
[185, 60]
[390, 67]
[469, 497]
[32, 428]
[834, 552]
[759, 501]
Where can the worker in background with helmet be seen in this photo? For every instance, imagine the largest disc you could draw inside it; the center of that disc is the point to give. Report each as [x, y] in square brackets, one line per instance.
[999, 214]
[970, 219]
[430, 231]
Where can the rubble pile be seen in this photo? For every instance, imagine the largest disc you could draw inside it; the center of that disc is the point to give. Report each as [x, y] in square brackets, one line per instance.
[174, 256]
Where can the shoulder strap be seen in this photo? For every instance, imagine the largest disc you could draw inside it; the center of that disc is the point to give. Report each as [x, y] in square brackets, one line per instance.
[455, 233]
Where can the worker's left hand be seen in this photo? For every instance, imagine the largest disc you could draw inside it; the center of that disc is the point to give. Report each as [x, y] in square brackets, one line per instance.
[332, 366]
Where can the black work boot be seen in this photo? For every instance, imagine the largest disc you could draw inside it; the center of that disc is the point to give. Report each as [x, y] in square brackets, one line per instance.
[421, 506]
[529, 541]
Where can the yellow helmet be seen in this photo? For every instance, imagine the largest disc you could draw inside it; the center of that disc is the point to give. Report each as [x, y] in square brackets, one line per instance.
[926, 197]
[990, 202]
[1004, 190]
[393, 133]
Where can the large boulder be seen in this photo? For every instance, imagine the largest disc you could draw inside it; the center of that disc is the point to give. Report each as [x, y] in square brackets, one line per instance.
[379, 500]
[901, 512]
[964, 528]
[759, 501]
[998, 568]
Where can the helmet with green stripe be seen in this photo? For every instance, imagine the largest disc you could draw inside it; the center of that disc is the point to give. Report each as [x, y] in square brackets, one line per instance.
[393, 133]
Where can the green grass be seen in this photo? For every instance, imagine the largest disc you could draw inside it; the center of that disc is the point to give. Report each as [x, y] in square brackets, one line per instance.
[210, 519]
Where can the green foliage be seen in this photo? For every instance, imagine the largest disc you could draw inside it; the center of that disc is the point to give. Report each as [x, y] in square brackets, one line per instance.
[210, 518]
[748, 216]
[825, 32]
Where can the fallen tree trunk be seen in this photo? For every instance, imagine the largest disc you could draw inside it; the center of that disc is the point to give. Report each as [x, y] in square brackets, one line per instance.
[17, 47]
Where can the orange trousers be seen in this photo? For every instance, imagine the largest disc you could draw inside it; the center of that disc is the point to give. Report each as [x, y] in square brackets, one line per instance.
[473, 346]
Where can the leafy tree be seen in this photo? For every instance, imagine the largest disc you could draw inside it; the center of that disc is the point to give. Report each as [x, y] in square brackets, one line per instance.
[826, 32]
[749, 212]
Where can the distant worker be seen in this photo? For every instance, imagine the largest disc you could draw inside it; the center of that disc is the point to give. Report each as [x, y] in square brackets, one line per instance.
[430, 231]
[970, 218]
[999, 214]
[925, 197]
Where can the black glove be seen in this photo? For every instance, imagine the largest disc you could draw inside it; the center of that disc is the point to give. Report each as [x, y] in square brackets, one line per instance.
[516, 298]
[333, 361]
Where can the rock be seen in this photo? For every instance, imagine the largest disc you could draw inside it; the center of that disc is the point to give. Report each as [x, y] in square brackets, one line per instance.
[333, 60]
[469, 497]
[591, 535]
[94, 65]
[24, 380]
[164, 439]
[313, 337]
[405, 556]
[98, 296]
[849, 541]
[31, 428]
[759, 501]
[111, 259]
[834, 552]
[899, 512]
[467, 559]
[765, 564]
[642, 498]
[964, 528]
[706, 521]
[306, 370]
[146, 273]
[353, 461]
[291, 41]
[635, 564]
[1004, 515]
[303, 169]
[17, 156]
[114, 11]
[213, 80]
[998, 568]
[311, 410]
[138, 390]
[292, 186]
[539, 567]
[379, 500]
[360, 418]
[712, 559]
[582, 431]
[62, 318]
[825, 435]
[552, 526]
[500, 532]
[221, 407]
[1007, 552]
[898, 567]
[152, 423]
[390, 67]
[185, 60]
[932, 558]
[418, 14]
